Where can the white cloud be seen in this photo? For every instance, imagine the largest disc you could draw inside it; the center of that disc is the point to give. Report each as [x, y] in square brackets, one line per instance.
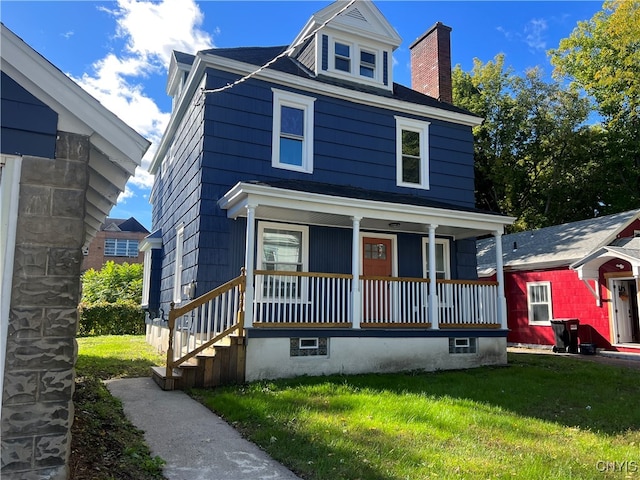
[534, 34]
[151, 32]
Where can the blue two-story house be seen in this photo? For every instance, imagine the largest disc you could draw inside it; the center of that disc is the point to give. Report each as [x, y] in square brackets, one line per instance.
[330, 210]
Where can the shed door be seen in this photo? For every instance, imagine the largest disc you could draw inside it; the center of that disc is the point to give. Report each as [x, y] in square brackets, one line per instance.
[376, 262]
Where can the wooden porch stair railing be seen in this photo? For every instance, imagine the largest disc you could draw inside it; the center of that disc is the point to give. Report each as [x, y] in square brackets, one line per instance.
[206, 340]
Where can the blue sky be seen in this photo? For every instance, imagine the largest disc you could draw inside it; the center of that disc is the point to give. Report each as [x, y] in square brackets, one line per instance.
[118, 51]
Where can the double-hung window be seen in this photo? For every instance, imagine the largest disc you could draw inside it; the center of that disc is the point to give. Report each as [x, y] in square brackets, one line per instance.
[367, 64]
[412, 153]
[282, 248]
[292, 143]
[342, 58]
[539, 303]
[443, 261]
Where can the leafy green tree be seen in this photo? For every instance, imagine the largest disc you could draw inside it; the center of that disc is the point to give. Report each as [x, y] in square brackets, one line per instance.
[602, 57]
[114, 283]
[530, 152]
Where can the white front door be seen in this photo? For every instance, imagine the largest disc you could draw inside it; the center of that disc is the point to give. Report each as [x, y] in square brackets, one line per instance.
[625, 311]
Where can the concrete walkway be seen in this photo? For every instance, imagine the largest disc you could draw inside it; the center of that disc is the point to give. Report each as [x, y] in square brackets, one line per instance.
[196, 443]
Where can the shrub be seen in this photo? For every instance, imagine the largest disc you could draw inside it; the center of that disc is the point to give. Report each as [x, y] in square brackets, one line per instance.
[105, 318]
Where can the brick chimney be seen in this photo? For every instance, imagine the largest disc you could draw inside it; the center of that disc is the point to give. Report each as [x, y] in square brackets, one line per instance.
[431, 63]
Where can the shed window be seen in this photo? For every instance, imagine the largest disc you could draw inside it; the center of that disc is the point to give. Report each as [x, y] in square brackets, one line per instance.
[539, 303]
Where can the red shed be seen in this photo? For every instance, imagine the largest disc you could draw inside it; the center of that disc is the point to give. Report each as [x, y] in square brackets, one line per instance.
[587, 270]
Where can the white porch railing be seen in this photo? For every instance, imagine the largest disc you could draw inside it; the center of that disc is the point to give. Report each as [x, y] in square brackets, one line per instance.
[301, 299]
[317, 299]
[467, 303]
[201, 323]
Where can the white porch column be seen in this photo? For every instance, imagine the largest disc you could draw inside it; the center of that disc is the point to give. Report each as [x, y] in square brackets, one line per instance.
[249, 261]
[355, 271]
[502, 302]
[433, 287]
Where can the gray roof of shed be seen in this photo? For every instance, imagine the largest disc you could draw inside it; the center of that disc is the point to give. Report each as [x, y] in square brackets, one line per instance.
[557, 245]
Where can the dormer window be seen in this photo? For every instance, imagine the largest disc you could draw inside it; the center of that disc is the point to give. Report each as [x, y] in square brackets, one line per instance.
[367, 64]
[343, 57]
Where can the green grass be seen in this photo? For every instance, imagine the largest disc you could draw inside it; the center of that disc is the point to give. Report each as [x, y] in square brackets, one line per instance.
[540, 417]
[104, 444]
[116, 356]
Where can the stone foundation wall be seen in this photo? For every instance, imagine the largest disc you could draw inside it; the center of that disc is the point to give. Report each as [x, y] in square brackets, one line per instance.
[37, 408]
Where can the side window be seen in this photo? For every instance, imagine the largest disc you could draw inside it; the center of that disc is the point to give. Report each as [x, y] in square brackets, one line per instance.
[539, 303]
[412, 153]
[292, 141]
[443, 258]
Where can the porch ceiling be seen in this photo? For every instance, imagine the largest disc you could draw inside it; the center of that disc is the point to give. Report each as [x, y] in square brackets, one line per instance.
[286, 205]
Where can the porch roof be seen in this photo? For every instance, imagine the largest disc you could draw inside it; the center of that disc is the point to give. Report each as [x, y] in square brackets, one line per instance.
[331, 205]
[627, 249]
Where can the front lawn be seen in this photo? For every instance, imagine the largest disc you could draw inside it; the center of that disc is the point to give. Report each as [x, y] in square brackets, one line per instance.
[541, 417]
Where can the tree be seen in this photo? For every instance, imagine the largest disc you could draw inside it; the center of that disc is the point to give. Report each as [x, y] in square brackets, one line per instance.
[113, 283]
[531, 156]
[602, 57]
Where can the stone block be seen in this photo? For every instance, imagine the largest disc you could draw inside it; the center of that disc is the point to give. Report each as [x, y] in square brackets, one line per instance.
[17, 454]
[51, 450]
[72, 146]
[45, 291]
[64, 261]
[41, 354]
[58, 232]
[68, 203]
[20, 387]
[30, 260]
[55, 473]
[60, 322]
[35, 200]
[56, 386]
[25, 322]
[55, 173]
[36, 419]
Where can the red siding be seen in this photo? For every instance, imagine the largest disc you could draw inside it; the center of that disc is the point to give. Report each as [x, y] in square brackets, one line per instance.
[570, 299]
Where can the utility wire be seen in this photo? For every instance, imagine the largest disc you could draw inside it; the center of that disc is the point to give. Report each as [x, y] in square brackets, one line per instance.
[283, 54]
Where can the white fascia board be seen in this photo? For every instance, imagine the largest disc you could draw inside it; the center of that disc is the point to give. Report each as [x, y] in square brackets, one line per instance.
[243, 194]
[39, 77]
[149, 244]
[317, 88]
[193, 82]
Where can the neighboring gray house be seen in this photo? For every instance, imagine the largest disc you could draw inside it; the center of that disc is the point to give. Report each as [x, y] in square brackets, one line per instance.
[64, 161]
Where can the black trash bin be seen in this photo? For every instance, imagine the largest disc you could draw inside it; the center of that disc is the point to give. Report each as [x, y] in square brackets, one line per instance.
[565, 332]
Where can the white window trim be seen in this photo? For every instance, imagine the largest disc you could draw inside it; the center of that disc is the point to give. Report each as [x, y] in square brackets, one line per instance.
[529, 305]
[422, 128]
[354, 74]
[304, 103]
[304, 229]
[446, 250]
[177, 273]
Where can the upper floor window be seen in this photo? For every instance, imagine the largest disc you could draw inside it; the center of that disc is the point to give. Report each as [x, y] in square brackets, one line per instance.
[539, 302]
[367, 64]
[342, 57]
[412, 153]
[120, 247]
[292, 141]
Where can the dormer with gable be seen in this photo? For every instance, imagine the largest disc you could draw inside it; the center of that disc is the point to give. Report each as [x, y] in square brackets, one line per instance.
[354, 45]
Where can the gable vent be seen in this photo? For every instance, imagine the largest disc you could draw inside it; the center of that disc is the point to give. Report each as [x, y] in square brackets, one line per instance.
[355, 13]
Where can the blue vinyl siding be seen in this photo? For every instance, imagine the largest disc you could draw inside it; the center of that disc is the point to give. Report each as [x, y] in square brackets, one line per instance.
[227, 139]
[28, 126]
